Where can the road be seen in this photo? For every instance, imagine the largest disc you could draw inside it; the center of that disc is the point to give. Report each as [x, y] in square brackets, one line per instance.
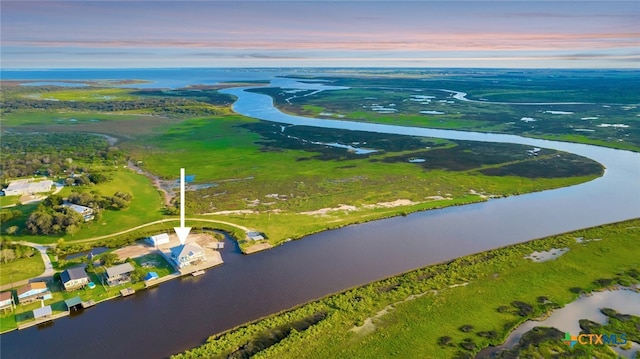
[48, 267]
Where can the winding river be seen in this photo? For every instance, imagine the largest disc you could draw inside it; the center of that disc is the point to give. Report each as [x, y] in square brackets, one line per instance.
[182, 313]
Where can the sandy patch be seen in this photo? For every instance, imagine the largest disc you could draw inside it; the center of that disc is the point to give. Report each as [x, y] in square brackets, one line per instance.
[239, 211]
[134, 251]
[396, 203]
[549, 255]
[257, 248]
[325, 211]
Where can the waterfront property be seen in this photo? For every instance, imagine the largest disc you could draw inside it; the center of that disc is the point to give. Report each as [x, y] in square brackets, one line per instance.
[32, 292]
[74, 278]
[6, 301]
[187, 254]
[27, 186]
[118, 274]
[42, 312]
[158, 239]
[73, 303]
[86, 212]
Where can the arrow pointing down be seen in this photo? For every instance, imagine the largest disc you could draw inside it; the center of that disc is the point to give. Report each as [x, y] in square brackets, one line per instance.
[182, 231]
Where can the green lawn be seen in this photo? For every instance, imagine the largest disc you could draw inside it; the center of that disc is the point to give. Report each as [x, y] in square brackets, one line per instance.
[21, 269]
[145, 207]
[23, 312]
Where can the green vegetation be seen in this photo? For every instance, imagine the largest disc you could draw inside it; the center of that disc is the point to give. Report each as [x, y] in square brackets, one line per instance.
[145, 206]
[21, 269]
[597, 103]
[55, 154]
[447, 310]
[243, 167]
[142, 265]
[547, 342]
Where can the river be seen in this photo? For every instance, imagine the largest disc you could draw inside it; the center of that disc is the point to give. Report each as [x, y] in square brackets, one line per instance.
[181, 314]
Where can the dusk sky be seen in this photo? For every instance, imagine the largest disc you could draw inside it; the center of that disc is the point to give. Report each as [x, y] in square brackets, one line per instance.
[525, 34]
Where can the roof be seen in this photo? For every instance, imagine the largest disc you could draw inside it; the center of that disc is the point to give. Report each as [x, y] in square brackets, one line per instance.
[255, 236]
[5, 296]
[73, 274]
[186, 250]
[31, 286]
[30, 186]
[78, 208]
[42, 312]
[160, 237]
[118, 270]
[72, 302]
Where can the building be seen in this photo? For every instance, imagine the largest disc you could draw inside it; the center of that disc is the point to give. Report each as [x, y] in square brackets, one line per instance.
[42, 312]
[118, 274]
[85, 212]
[255, 236]
[27, 186]
[158, 239]
[6, 301]
[187, 254]
[32, 292]
[74, 278]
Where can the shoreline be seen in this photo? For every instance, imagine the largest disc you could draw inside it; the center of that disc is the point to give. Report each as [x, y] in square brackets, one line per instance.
[290, 313]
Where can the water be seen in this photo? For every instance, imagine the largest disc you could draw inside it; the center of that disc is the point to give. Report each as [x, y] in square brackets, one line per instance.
[181, 314]
[588, 307]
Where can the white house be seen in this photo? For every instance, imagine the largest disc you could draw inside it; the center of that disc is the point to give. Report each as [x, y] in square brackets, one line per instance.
[27, 186]
[85, 212]
[158, 239]
[186, 254]
[6, 301]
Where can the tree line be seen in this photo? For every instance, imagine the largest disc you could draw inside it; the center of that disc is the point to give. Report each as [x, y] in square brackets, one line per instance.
[52, 216]
[52, 154]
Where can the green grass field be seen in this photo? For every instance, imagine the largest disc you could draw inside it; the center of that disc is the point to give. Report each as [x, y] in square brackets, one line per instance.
[434, 302]
[249, 168]
[21, 269]
[146, 206]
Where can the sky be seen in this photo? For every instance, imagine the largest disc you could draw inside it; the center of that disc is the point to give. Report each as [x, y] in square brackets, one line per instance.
[211, 33]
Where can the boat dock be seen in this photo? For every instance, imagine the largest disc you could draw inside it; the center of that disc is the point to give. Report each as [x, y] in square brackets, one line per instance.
[127, 291]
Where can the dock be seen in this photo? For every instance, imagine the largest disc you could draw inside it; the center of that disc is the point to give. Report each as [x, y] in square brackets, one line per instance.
[127, 291]
[33, 323]
[87, 304]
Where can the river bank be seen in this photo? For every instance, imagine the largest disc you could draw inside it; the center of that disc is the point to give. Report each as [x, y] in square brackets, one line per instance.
[460, 306]
[141, 256]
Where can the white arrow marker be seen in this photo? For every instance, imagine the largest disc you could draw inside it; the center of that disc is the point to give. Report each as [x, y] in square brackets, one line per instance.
[182, 231]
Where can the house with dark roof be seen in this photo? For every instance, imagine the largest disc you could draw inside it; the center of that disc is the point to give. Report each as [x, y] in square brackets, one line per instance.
[74, 278]
[118, 274]
[187, 254]
[6, 301]
[32, 292]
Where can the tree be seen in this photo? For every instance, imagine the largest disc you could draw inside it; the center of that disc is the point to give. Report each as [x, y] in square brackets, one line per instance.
[12, 230]
[7, 255]
[109, 258]
[72, 229]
